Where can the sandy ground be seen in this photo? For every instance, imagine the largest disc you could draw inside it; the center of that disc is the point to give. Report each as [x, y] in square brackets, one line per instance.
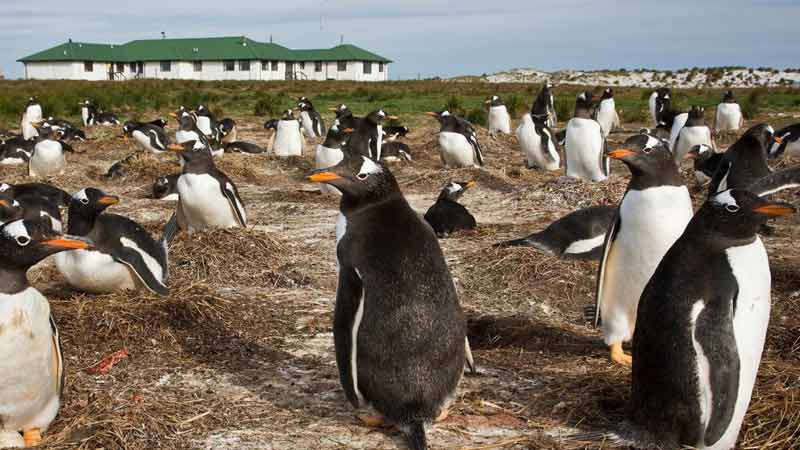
[240, 355]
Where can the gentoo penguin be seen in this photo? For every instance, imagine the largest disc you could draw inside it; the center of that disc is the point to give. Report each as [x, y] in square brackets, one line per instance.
[33, 366]
[499, 119]
[367, 138]
[606, 112]
[10, 210]
[48, 155]
[271, 124]
[312, 122]
[16, 151]
[205, 121]
[701, 327]
[578, 235]
[329, 153]
[393, 132]
[706, 162]
[458, 141]
[657, 103]
[288, 141]
[447, 216]
[150, 137]
[787, 140]
[345, 118]
[399, 332]
[243, 147]
[131, 125]
[90, 115]
[729, 114]
[187, 129]
[394, 151]
[584, 148]
[227, 131]
[744, 162]
[537, 143]
[651, 216]
[694, 132]
[32, 115]
[124, 255]
[166, 188]
[677, 120]
[544, 106]
[207, 197]
[35, 207]
[47, 192]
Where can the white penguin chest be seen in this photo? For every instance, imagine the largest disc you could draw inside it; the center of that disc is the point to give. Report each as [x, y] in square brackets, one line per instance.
[204, 125]
[93, 271]
[143, 140]
[605, 115]
[29, 392]
[499, 120]
[308, 124]
[47, 159]
[85, 115]
[583, 148]
[182, 136]
[327, 157]
[729, 116]
[288, 139]
[203, 203]
[531, 144]
[456, 149]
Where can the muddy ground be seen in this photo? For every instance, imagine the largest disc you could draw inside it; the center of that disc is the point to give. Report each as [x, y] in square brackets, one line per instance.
[240, 355]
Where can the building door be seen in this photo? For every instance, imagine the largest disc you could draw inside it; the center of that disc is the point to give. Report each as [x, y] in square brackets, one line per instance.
[289, 71]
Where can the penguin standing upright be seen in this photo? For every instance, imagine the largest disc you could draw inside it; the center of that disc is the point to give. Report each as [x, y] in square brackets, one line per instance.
[124, 255]
[207, 198]
[288, 141]
[187, 128]
[606, 112]
[652, 215]
[656, 103]
[313, 124]
[744, 162]
[345, 118]
[499, 119]
[694, 132]
[678, 120]
[537, 143]
[206, 122]
[91, 116]
[544, 106]
[584, 148]
[701, 327]
[33, 365]
[399, 332]
[329, 153]
[447, 216]
[458, 141]
[32, 115]
[87, 112]
[367, 138]
[729, 114]
[48, 154]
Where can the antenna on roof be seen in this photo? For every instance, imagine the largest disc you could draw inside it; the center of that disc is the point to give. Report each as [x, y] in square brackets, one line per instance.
[341, 39]
[70, 40]
[270, 39]
[163, 35]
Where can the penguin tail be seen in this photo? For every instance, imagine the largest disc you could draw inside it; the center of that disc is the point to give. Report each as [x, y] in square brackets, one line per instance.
[170, 230]
[626, 436]
[415, 435]
[530, 241]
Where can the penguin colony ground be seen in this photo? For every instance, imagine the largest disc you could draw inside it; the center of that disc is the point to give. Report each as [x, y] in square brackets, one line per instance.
[241, 352]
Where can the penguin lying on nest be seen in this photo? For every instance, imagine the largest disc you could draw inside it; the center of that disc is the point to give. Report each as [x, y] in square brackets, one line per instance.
[166, 188]
[706, 162]
[578, 235]
[447, 216]
[243, 147]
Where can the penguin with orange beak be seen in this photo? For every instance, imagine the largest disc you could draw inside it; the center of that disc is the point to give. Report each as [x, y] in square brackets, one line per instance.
[33, 365]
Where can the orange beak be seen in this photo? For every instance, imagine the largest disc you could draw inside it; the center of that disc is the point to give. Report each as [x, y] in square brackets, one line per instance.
[175, 147]
[620, 153]
[393, 118]
[773, 210]
[432, 114]
[688, 156]
[333, 109]
[348, 130]
[778, 140]
[5, 204]
[172, 114]
[67, 244]
[108, 200]
[471, 184]
[324, 177]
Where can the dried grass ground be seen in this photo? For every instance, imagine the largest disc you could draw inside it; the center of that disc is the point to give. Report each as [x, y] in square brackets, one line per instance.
[240, 355]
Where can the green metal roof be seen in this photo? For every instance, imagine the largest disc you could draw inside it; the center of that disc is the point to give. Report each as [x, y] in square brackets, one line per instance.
[198, 49]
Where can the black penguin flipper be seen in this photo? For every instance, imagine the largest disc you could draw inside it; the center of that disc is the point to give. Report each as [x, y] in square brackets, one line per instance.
[534, 240]
[611, 236]
[605, 162]
[349, 295]
[415, 434]
[135, 262]
[60, 373]
[719, 175]
[232, 194]
[776, 182]
[714, 334]
[472, 137]
[318, 124]
[66, 147]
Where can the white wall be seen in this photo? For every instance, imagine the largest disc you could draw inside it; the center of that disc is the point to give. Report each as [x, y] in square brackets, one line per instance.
[212, 70]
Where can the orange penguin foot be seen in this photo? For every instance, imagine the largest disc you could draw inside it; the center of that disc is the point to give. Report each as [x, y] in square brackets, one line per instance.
[32, 437]
[619, 357]
[372, 421]
[443, 415]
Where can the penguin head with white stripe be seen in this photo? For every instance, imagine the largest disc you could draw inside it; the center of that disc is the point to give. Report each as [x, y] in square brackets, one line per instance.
[186, 121]
[90, 202]
[202, 111]
[379, 116]
[494, 101]
[649, 160]
[729, 97]
[440, 116]
[455, 189]
[129, 127]
[304, 106]
[32, 101]
[584, 99]
[737, 214]
[608, 93]
[763, 133]
[699, 152]
[341, 111]
[10, 209]
[359, 178]
[23, 243]
[194, 156]
[288, 115]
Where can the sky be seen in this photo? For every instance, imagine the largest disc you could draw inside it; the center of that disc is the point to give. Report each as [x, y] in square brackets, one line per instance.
[424, 38]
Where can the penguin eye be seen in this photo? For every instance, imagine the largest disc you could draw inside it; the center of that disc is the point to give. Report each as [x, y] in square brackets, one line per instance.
[647, 150]
[23, 241]
[731, 208]
[362, 176]
[85, 201]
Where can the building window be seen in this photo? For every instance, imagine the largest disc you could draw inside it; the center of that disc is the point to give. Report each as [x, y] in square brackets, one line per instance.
[342, 66]
[318, 66]
[274, 66]
[302, 65]
[120, 67]
[380, 67]
[166, 66]
[133, 67]
[244, 66]
[264, 65]
[198, 66]
[88, 66]
[367, 67]
[229, 66]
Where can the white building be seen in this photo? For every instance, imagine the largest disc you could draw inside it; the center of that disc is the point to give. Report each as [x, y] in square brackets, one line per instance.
[224, 58]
